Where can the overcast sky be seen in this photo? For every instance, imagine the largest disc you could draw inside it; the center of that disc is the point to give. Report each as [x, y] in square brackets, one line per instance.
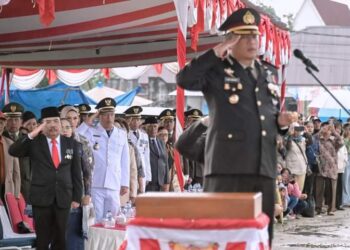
[282, 7]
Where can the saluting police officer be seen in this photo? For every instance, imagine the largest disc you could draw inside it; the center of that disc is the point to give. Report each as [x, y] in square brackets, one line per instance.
[240, 153]
[111, 175]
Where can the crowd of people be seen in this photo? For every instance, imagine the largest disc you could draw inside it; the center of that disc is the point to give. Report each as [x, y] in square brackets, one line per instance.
[313, 169]
[118, 157]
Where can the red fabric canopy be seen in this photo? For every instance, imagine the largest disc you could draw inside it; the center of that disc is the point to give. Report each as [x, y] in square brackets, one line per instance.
[103, 33]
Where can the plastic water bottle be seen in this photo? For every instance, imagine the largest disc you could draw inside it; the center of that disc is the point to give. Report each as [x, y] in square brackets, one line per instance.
[120, 217]
[109, 221]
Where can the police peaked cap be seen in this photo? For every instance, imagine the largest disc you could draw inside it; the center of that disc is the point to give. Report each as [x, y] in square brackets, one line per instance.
[134, 111]
[106, 104]
[151, 120]
[194, 113]
[84, 108]
[13, 109]
[242, 22]
[166, 114]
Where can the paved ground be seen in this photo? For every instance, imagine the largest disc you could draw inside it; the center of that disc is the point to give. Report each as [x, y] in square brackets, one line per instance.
[320, 232]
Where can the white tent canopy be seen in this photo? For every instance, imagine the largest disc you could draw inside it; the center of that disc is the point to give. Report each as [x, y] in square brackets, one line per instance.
[100, 92]
[326, 101]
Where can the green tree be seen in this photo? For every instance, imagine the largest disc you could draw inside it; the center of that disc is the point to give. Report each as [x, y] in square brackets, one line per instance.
[272, 13]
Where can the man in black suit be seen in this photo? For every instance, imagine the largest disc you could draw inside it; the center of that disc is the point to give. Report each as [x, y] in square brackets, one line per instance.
[158, 158]
[56, 178]
[243, 101]
[167, 120]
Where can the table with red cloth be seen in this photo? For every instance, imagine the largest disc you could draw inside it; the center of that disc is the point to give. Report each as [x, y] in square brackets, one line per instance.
[208, 234]
[102, 238]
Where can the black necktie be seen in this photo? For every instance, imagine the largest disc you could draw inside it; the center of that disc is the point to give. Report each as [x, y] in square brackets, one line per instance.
[155, 146]
[136, 134]
[250, 74]
[109, 132]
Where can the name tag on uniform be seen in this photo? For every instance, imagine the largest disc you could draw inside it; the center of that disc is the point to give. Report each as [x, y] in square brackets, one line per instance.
[143, 143]
[231, 79]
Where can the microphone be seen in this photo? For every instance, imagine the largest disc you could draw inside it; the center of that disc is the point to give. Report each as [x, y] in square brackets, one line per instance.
[306, 61]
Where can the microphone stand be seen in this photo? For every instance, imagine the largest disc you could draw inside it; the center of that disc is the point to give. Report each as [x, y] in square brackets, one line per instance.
[325, 88]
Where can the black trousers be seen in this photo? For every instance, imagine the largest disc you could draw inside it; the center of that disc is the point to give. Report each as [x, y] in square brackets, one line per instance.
[50, 227]
[74, 234]
[153, 187]
[339, 195]
[246, 183]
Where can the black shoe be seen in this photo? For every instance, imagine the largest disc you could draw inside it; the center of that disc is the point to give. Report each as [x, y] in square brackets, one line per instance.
[340, 208]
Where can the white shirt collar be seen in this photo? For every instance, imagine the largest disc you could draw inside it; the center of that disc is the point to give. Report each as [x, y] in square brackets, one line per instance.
[58, 140]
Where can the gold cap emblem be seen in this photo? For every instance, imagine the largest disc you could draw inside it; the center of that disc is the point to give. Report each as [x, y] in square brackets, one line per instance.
[248, 18]
[195, 113]
[108, 102]
[233, 99]
[168, 113]
[13, 108]
[83, 108]
[136, 110]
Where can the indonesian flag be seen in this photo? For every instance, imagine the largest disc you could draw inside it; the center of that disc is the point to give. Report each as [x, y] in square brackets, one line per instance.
[199, 234]
[208, 15]
[6, 79]
[223, 11]
[283, 89]
[262, 37]
[46, 11]
[182, 15]
[277, 48]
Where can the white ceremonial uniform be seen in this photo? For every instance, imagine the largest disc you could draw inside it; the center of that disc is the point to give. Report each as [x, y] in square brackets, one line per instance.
[142, 145]
[112, 167]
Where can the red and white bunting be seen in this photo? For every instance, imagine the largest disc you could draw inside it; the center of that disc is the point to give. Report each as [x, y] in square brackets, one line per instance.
[75, 77]
[27, 79]
[219, 234]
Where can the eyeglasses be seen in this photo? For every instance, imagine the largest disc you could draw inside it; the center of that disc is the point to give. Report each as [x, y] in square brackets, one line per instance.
[66, 127]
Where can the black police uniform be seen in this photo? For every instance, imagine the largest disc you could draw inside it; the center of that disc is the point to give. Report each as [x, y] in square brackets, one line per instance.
[195, 168]
[240, 148]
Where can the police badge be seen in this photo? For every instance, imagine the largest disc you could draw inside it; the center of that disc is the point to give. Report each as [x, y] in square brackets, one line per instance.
[96, 146]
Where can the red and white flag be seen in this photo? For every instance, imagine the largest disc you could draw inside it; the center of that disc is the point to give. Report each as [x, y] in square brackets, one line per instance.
[200, 234]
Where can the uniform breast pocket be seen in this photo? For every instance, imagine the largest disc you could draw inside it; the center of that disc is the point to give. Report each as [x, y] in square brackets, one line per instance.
[118, 146]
